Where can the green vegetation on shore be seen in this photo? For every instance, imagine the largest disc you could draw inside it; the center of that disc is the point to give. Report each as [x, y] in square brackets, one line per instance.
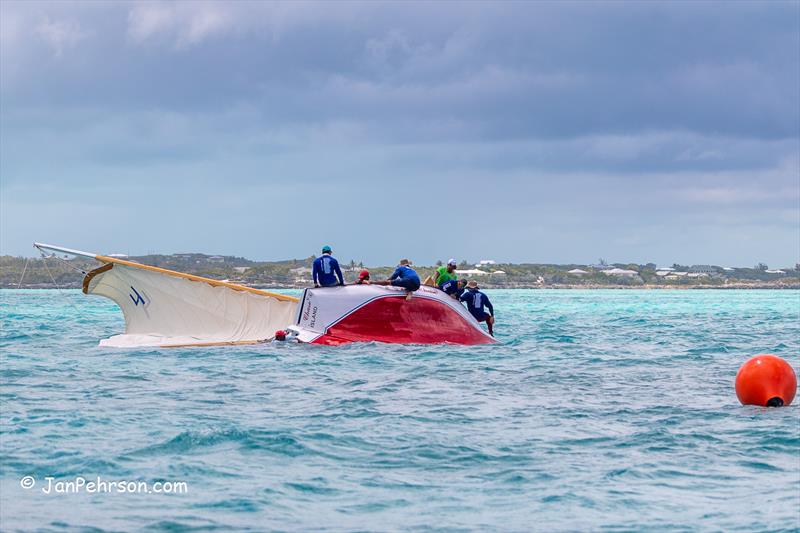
[297, 273]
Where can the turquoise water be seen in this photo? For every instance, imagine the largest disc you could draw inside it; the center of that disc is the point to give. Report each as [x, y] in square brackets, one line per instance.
[599, 410]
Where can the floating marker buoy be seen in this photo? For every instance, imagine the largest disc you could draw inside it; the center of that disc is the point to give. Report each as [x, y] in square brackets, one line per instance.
[766, 380]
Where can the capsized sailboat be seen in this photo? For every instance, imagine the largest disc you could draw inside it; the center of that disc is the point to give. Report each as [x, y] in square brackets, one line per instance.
[167, 308]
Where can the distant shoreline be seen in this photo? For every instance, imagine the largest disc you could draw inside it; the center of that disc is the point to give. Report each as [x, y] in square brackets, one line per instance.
[297, 273]
[730, 286]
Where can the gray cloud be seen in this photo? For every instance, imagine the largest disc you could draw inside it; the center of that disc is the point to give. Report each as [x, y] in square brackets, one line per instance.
[584, 129]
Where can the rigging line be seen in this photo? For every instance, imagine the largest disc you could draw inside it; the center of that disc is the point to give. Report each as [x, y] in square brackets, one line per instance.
[67, 263]
[98, 330]
[44, 258]
[24, 269]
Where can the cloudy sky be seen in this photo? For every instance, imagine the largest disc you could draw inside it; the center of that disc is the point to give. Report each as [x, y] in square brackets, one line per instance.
[524, 131]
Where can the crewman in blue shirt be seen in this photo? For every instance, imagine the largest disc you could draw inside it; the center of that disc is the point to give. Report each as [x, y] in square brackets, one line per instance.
[404, 276]
[476, 301]
[326, 270]
[454, 287]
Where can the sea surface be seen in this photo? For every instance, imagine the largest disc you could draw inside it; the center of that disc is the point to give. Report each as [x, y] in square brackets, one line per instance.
[598, 410]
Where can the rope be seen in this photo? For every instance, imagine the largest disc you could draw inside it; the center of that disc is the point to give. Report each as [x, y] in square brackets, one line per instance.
[44, 260]
[98, 331]
[24, 269]
[70, 265]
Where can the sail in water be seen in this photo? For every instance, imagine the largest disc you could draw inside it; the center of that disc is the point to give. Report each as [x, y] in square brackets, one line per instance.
[168, 308]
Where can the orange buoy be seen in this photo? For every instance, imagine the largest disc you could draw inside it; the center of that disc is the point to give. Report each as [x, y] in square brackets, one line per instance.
[766, 380]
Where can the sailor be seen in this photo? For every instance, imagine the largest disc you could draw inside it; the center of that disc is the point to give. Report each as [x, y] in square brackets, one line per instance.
[283, 337]
[445, 273]
[476, 301]
[454, 287]
[404, 276]
[363, 277]
[326, 270]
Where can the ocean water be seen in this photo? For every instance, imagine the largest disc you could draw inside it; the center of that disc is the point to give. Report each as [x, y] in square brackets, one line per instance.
[598, 410]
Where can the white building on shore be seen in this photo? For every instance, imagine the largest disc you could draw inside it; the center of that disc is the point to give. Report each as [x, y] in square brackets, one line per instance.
[472, 272]
[620, 272]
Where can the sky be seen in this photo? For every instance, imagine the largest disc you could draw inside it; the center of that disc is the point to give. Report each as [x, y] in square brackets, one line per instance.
[539, 132]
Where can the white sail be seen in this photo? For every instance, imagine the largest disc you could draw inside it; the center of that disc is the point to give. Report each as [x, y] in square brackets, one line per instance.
[167, 308]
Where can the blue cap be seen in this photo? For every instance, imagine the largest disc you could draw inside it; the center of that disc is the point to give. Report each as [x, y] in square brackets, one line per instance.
[326, 248]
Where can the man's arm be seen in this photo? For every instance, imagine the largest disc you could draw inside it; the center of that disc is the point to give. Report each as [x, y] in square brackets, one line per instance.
[436, 277]
[395, 275]
[315, 271]
[489, 305]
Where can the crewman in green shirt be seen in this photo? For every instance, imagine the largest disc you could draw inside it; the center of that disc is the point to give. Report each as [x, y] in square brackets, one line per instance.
[445, 273]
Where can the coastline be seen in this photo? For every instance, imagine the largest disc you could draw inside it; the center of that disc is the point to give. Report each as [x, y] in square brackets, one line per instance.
[491, 286]
[37, 273]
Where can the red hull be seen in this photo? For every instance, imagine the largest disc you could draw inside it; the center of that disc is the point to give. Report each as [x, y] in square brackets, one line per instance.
[395, 320]
[341, 315]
